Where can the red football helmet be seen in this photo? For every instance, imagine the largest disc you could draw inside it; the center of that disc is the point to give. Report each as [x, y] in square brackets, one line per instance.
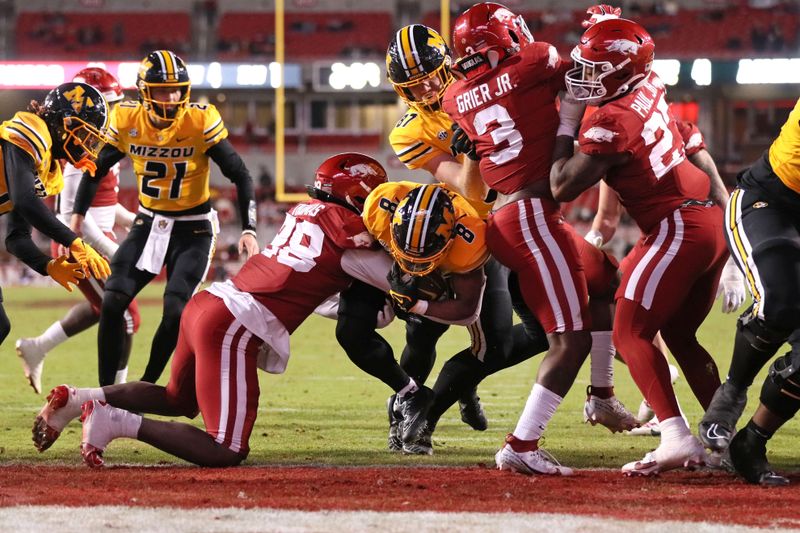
[612, 57]
[347, 178]
[489, 25]
[103, 81]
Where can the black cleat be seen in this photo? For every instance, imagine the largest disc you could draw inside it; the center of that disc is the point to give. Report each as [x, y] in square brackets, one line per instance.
[423, 445]
[748, 454]
[472, 411]
[718, 425]
[395, 442]
[414, 408]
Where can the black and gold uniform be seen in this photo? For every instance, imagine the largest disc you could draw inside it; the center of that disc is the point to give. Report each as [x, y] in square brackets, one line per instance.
[170, 143]
[68, 125]
[762, 223]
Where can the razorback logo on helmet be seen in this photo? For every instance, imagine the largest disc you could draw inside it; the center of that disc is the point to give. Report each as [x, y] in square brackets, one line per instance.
[365, 170]
[623, 46]
[599, 134]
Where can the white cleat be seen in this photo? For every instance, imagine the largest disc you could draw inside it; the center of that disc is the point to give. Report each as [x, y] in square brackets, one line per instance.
[32, 362]
[533, 462]
[686, 453]
[608, 412]
[62, 407]
[651, 428]
[98, 423]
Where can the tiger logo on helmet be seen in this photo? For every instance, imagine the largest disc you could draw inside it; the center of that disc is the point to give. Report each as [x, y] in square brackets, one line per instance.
[423, 227]
[418, 65]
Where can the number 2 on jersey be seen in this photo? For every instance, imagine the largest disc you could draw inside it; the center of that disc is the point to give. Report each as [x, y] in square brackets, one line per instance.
[158, 170]
[297, 244]
[659, 121]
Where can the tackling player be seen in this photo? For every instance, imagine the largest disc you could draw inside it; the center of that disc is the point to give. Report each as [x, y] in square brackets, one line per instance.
[69, 125]
[633, 143]
[98, 230]
[506, 104]
[227, 332]
[170, 141]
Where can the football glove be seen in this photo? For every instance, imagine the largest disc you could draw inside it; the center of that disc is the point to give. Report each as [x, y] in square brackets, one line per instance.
[91, 262]
[402, 290]
[65, 271]
[461, 144]
[731, 287]
[599, 13]
[595, 238]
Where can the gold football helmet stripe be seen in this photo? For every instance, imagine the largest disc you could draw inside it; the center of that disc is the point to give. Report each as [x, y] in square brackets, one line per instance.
[169, 64]
[415, 239]
[405, 46]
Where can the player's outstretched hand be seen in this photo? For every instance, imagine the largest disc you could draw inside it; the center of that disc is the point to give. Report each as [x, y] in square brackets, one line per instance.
[461, 144]
[248, 244]
[92, 263]
[599, 13]
[65, 271]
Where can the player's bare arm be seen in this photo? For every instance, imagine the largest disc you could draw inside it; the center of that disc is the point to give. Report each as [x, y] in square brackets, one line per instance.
[609, 211]
[703, 160]
[464, 178]
[570, 177]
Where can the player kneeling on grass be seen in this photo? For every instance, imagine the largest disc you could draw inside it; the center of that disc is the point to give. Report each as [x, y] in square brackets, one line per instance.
[223, 330]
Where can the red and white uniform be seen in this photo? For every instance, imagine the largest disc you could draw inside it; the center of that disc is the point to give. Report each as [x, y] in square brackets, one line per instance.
[510, 113]
[98, 231]
[231, 329]
[670, 281]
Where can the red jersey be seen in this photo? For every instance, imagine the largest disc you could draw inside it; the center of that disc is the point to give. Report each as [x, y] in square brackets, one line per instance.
[657, 178]
[692, 138]
[108, 189]
[510, 114]
[302, 266]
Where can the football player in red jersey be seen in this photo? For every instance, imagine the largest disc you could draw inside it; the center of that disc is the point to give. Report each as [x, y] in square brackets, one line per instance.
[669, 286]
[227, 332]
[506, 104]
[98, 231]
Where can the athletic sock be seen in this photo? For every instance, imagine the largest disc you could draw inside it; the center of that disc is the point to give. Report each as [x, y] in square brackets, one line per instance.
[122, 376]
[52, 337]
[85, 395]
[674, 429]
[539, 409]
[410, 387]
[602, 361]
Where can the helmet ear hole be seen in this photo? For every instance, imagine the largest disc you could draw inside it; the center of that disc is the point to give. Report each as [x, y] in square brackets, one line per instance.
[513, 36]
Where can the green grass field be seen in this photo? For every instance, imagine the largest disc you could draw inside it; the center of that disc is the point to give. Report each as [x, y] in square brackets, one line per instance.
[324, 410]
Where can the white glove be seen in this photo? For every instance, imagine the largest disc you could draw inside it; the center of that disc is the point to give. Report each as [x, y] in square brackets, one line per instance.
[595, 238]
[731, 287]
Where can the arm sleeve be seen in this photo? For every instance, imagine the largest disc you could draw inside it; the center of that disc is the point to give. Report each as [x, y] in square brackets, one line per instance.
[20, 176]
[66, 198]
[20, 244]
[233, 168]
[96, 238]
[109, 156]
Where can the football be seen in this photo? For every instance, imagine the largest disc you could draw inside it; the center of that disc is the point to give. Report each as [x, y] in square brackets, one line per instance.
[434, 286]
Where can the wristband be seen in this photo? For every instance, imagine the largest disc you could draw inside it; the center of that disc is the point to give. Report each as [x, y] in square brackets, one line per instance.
[250, 232]
[419, 308]
[570, 114]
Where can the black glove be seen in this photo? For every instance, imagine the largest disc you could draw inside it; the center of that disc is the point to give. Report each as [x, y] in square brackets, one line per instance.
[460, 144]
[403, 290]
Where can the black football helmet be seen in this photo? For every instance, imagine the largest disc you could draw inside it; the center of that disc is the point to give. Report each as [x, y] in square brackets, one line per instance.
[418, 54]
[423, 228]
[76, 115]
[163, 69]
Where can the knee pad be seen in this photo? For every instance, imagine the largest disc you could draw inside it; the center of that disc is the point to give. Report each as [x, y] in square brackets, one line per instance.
[760, 336]
[781, 391]
[114, 303]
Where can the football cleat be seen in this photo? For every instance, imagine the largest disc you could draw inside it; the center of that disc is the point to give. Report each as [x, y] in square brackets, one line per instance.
[472, 411]
[529, 462]
[62, 407]
[32, 362]
[395, 442]
[96, 417]
[645, 413]
[748, 455]
[686, 453]
[414, 408]
[651, 428]
[718, 425]
[608, 412]
[423, 445]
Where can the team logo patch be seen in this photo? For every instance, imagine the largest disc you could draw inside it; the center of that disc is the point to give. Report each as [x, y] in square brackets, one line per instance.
[623, 46]
[162, 224]
[598, 134]
[760, 205]
[442, 135]
[133, 132]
